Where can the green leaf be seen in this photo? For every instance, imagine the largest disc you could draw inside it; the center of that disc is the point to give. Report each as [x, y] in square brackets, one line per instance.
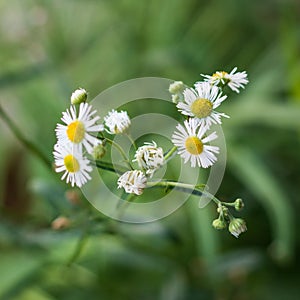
[253, 173]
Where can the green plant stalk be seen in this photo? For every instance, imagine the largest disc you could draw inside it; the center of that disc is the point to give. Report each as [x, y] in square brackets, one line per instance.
[170, 153]
[132, 141]
[183, 187]
[26, 143]
[110, 167]
[119, 148]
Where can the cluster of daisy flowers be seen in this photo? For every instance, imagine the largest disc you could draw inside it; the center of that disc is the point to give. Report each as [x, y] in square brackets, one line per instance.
[82, 138]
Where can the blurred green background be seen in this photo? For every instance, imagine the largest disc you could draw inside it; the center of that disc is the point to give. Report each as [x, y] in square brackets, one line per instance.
[49, 48]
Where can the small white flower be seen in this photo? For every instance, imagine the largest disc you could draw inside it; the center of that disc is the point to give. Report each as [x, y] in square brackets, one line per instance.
[149, 157]
[133, 182]
[74, 165]
[234, 80]
[192, 145]
[77, 128]
[79, 96]
[201, 102]
[117, 122]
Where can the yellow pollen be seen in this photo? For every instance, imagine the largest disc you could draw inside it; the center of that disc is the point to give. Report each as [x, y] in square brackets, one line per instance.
[194, 145]
[219, 74]
[201, 108]
[76, 131]
[71, 163]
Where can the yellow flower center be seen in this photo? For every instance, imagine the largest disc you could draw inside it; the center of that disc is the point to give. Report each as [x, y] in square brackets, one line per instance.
[201, 108]
[194, 145]
[71, 163]
[76, 131]
[220, 74]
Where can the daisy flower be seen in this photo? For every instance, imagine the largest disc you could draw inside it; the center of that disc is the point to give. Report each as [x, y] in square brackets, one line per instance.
[149, 157]
[133, 182]
[70, 161]
[117, 122]
[201, 102]
[192, 145]
[77, 130]
[234, 80]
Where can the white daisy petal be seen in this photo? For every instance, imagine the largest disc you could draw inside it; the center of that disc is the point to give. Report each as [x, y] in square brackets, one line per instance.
[133, 182]
[149, 157]
[192, 146]
[70, 160]
[234, 80]
[76, 131]
[201, 102]
[117, 122]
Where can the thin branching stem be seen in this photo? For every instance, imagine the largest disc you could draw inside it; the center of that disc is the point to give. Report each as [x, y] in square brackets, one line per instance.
[26, 143]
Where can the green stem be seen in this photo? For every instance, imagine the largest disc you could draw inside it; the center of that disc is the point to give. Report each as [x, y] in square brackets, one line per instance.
[79, 247]
[132, 141]
[120, 149]
[110, 167]
[27, 144]
[183, 187]
[170, 153]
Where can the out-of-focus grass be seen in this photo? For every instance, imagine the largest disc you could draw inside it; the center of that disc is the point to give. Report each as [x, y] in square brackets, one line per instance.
[49, 48]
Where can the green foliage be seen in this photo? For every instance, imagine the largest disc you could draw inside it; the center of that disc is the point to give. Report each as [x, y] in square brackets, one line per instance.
[50, 48]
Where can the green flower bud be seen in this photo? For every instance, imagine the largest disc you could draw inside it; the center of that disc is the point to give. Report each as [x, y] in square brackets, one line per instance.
[219, 224]
[237, 226]
[79, 96]
[99, 151]
[175, 98]
[176, 87]
[222, 209]
[238, 204]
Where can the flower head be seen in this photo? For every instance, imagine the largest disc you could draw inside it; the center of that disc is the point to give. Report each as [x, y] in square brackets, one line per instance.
[149, 157]
[192, 145]
[133, 182]
[79, 96]
[70, 160]
[77, 130]
[237, 226]
[117, 122]
[234, 80]
[201, 102]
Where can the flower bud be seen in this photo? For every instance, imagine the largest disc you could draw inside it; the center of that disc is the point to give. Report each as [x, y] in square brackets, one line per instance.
[175, 98]
[176, 87]
[237, 226]
[79, 96]
[99, 151]
[222, 209]
[238, 204]
[219, 224]
[149, 157]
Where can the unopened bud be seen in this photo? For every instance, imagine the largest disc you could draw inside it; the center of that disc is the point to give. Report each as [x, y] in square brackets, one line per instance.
[175, 98]
[222, 209]
[176, 87]
[237, 226]
[219, 224]
[99, 151]
[238, 204]
[79, 96]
